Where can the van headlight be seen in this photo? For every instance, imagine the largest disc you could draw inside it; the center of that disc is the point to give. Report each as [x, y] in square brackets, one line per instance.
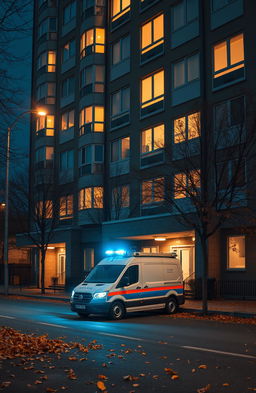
[72, 294]
[99, 295]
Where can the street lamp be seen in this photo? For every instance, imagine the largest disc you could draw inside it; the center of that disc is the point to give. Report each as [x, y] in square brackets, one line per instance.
[6, 215]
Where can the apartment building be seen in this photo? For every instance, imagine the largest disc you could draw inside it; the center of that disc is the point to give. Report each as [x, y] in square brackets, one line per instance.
[125, 84]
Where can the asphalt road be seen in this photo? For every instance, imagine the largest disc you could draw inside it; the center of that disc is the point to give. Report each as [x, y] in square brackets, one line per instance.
[144, 348]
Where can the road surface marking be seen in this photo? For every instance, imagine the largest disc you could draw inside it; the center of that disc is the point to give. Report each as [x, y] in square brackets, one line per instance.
[220, 352]
[120, 336]
[6, 316]
[52, 324]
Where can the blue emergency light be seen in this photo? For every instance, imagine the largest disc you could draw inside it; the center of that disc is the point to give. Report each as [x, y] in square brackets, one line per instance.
[115, 252]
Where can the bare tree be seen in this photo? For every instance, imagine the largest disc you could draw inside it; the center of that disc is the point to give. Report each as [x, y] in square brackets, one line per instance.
[209, 168]
[43, 208]
[15, 23]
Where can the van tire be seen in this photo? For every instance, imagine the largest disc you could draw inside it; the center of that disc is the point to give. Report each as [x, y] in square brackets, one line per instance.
[117, 310]
[171, 306]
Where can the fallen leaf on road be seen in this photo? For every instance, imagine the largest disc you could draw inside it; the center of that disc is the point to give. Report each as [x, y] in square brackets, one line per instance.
[103, 377]
[50, 390]
[101, 386]
[203, 366]
[204, 389]
[225, 384]
[5, 384]
[175, 376]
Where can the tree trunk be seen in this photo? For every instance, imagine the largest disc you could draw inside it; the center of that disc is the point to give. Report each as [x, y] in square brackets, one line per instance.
[43, 254]
[204, 244]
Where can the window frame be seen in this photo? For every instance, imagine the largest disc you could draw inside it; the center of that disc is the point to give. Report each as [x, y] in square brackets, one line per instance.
[120, 42]
[71, 51]
[47, 131]
[153, 150]
[187, 21]
[121, 100]
[94, 82]
[93, 123]
[228, 104]
[153, 184]
[121, 191]
[153, 44]
[93, 203]
[185, 61]
[69, 114]
[96, 47]
[230, 67]
[122, 11]
[187, 130]
[228, 267]
[68, 161]
[71, 8]
[154, 99]
[68, 202]
[119, 150]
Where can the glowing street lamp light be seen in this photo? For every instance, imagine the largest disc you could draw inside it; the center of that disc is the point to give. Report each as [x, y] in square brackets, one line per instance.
[39, 112]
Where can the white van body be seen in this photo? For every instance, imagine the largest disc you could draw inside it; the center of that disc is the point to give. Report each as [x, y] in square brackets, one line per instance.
[121, 284]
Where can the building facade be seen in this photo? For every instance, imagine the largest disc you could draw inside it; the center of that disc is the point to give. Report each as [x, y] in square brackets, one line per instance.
[125, 84]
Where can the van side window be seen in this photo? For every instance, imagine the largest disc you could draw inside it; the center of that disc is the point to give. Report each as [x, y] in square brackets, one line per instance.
[131, 276]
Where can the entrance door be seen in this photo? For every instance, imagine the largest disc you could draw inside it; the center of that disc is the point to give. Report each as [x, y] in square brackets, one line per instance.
[61, 268]
[186, 257]
[185, 262]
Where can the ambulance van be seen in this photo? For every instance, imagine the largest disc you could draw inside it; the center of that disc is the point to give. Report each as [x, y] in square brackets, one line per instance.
[120, 284]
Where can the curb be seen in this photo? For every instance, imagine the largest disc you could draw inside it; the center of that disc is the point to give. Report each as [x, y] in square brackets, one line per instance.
[219, 312]
[183, 309]
[63, 299]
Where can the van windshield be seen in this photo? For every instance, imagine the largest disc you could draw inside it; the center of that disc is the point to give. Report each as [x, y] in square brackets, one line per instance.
[104, 274]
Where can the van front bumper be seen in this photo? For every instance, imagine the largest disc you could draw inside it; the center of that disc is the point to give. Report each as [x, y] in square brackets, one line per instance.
[181, 299]
[94, 307]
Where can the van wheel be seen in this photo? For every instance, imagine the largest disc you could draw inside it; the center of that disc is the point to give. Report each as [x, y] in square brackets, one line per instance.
[171, 306]
[117, 311]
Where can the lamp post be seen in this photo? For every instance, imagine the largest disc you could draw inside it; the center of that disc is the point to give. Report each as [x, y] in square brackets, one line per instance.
[6, 215]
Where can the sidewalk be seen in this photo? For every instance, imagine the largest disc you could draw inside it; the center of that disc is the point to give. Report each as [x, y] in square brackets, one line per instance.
[240, 308]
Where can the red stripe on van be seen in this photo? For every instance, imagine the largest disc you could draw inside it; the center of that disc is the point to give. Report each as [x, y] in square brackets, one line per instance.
[144, 290]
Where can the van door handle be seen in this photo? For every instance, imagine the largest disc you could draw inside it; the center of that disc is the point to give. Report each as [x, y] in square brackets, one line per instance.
[138, 287]
[146, 286]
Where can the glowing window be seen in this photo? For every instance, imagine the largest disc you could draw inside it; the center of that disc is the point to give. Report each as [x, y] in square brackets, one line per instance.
[91, 198]
[228, 56]
[48, 60]
[66, 206]
[152, 191]
[152, 139]
[46, 124]
[152, 89]
[44, 209]
[186, 127]
[119, 8]
[152, 34]
[236, 252]
[186, 185]
[91, 119]
[92, 41]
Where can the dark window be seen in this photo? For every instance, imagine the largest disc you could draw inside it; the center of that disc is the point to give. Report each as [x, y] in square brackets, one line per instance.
[131, 276]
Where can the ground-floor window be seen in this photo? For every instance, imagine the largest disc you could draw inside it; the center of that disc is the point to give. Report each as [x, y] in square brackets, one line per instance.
[236, 252]
[150, 249]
